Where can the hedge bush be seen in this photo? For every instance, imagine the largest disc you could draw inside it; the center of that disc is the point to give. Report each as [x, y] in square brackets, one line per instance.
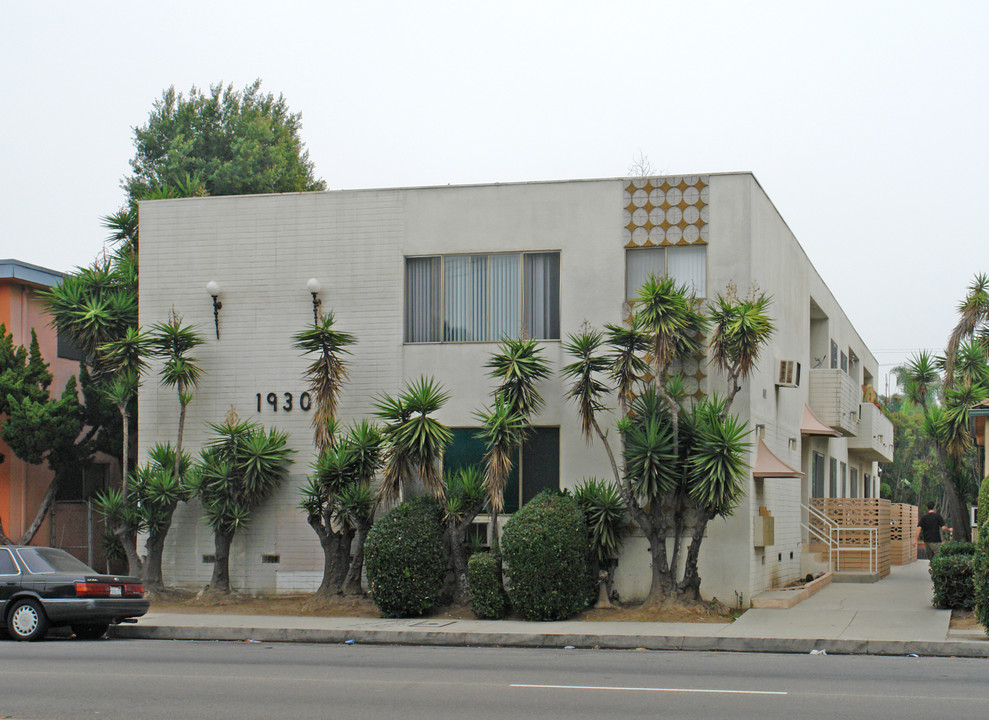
[982, 515]
[953, 581]
[980, 572]
[487, 597]
[404, 558]
[545, 545]
[955, 547]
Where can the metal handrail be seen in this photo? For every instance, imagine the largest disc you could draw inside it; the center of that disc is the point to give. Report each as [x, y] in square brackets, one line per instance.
[833, 537]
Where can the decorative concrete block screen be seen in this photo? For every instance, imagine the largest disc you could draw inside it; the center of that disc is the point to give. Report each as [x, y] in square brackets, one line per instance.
[863, 521]
[902, 529]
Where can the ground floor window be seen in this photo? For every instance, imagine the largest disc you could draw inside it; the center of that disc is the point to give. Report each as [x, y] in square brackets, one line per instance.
[866, 485]
[854, 478]
[817, 476]
[537, 465]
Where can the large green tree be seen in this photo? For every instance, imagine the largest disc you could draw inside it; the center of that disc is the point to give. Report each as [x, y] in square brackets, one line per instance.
[36, 426]
[680, 464]
[236, 142]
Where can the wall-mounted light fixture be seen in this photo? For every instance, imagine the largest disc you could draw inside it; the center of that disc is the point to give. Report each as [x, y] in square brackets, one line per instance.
[213, 288]
[760, 430]
[793, 443]
[313, 287]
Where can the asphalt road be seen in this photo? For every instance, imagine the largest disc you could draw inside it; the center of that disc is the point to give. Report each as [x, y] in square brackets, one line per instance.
[151, 680]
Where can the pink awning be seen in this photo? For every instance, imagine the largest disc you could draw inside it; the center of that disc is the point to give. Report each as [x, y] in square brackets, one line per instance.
[767, 465]
[812, 425]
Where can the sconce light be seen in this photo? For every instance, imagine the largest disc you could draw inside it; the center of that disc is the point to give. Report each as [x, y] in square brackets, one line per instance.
[760, 431]
[793, 443]
[213, 288]
[313, 287]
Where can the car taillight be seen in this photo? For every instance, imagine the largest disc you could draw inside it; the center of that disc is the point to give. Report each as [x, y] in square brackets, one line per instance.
[136, 590]
[91, 589]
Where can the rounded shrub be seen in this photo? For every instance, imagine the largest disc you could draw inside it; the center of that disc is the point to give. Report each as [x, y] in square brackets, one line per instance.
[487, 597]
[955, 547]
[404, 558]
[953, 581]
[545, 545]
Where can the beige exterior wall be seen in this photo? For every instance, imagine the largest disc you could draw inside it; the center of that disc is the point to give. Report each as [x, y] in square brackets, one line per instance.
[262, 250]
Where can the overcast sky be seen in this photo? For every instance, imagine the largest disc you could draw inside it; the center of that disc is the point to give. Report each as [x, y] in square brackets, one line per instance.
[865, 122]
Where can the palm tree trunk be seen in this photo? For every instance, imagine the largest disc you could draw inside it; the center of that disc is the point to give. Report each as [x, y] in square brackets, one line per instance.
[690, 588]
[128, 541]
[220, 582]
[352, 582]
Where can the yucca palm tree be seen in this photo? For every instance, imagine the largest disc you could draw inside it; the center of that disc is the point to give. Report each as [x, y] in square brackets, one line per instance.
[172, 342]
[681, 465]
[466, 496]
[519, 366]
[416, 439]
[339, 500]
[740, 329]
[236, 472]
[607, 520]
[973, 321]
[326, 374]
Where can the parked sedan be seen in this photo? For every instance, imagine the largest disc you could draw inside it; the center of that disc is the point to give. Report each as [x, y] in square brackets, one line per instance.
[42, 587]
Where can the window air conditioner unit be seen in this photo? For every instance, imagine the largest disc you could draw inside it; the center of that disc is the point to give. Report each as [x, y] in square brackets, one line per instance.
[789, 374]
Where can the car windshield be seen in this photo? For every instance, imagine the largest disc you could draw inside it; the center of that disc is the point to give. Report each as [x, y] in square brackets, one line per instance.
[51, 560]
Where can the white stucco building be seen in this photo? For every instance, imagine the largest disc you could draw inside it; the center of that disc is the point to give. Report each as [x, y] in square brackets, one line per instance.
[429, 278]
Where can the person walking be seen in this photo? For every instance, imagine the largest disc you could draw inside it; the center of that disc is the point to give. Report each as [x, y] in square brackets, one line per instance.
[929, 529]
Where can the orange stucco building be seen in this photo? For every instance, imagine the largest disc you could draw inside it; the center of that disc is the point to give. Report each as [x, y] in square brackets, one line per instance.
[22, 486]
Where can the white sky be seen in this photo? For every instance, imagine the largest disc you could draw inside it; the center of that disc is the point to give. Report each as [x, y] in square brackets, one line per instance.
[864, 121]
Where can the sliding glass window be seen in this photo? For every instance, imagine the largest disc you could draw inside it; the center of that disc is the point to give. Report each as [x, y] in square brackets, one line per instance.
[478, 298]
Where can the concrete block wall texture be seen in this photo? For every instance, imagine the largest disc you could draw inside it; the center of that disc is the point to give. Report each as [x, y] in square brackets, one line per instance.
[263, 249]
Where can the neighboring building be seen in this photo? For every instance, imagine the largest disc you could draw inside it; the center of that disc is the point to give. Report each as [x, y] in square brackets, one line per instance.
[22, 485]
[429, 278]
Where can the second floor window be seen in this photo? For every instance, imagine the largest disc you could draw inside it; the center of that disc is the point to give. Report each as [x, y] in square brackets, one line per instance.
[482, 298]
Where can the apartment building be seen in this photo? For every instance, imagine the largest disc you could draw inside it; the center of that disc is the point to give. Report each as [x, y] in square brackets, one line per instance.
[429, 278]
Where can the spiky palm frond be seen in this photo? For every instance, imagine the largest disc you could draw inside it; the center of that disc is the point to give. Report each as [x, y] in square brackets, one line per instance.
[670, 315]
[518, 364]
[973, 318]
[503, 430]
[416, 440]
[741, 329]
[586, 390]
[465, 493]
[129, 353]
[172, 341]
[327, 373]
[920, 377]
[716, 466]
[607, 517]
[651, 466]
[356, 504]
[627, 366]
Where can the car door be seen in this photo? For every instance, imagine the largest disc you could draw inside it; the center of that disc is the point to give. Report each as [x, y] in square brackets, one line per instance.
[10, 577]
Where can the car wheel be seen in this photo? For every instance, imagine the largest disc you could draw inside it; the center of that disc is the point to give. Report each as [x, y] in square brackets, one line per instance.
[27, 621]
[90, 631]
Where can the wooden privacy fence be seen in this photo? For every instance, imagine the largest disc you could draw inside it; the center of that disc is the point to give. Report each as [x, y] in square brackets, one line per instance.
[861, 540]
[902, 530]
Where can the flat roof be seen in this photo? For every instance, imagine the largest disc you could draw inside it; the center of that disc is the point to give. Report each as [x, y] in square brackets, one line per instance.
[34, 274]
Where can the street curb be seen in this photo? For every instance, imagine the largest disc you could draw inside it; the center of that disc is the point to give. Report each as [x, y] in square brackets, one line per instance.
[960, 648]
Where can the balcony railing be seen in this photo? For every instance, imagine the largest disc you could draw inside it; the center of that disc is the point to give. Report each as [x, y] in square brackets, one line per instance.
[834, 398]
[874, 440]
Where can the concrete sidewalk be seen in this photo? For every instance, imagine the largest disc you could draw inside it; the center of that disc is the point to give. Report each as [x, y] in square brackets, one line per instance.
[891, 617]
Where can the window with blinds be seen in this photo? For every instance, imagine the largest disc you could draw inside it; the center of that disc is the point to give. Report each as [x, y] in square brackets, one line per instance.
[481, 298]
[687, 265]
